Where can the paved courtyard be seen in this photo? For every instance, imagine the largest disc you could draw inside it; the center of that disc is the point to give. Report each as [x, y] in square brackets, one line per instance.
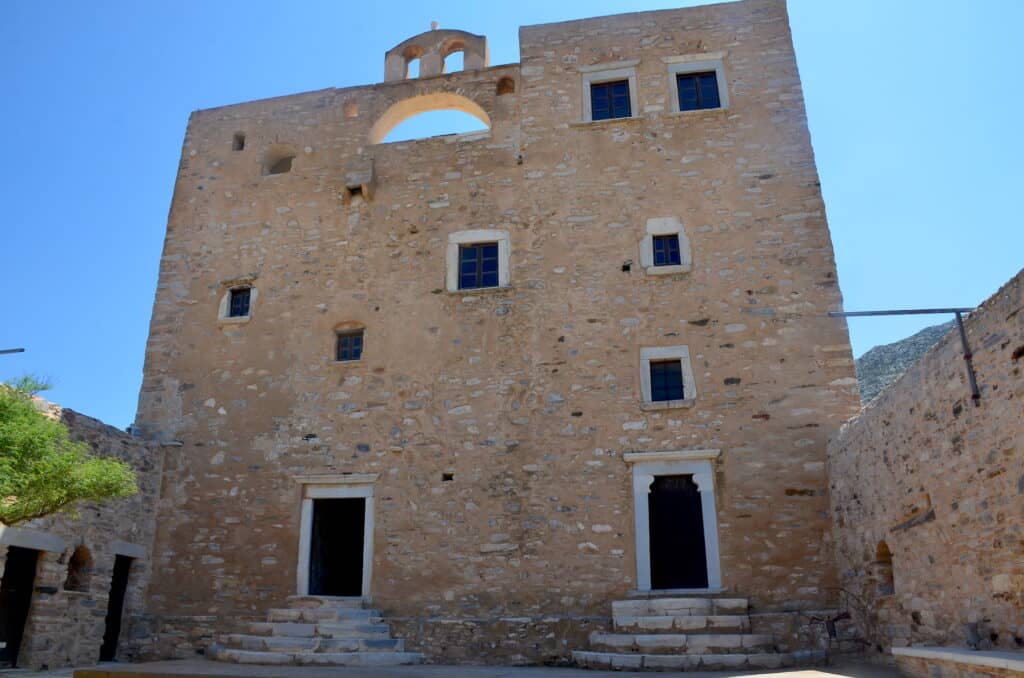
[202, 668]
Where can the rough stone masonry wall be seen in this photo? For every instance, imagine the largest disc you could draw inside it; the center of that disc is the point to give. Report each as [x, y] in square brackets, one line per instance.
[527, 396]
[941, 482]
[65, 627]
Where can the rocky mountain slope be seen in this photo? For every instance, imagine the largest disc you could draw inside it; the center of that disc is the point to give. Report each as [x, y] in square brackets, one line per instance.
[881, 365]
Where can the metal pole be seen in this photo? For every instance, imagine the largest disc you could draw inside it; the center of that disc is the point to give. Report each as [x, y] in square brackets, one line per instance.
[975, 393]
[11, 350]
[909, 311]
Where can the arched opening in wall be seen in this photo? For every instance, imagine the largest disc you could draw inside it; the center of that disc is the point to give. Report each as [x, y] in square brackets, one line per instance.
[454, 54]
[412, 56]
[454, 62]
[506, 85]
[429, 115]
[79, 570]
[883, 575]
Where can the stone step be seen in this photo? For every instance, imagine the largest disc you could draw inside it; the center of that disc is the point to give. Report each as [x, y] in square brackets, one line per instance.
[693, 623]
[351, 629]
[308, 602]
[318, 614]
[382, 658]
[678, 643]
[241, 641]
[678, 607]
[692, 662]
[345, 630]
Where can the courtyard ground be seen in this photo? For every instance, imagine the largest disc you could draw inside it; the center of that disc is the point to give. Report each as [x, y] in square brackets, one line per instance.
[202, 668]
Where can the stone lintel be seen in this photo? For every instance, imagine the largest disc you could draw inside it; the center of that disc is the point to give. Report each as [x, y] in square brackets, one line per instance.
[672, 455]
[38, 540]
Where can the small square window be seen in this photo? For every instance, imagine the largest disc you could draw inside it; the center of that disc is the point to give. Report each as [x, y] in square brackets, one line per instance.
[666, 250]
[478, 266]
[610, 100]
[666, 380]
[238, 306]
[698, 91]
[350, 346]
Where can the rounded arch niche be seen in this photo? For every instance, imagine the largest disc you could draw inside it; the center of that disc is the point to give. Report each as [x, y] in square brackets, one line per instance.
[424, 103]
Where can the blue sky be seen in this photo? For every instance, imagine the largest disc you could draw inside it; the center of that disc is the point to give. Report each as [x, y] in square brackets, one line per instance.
[914, 108]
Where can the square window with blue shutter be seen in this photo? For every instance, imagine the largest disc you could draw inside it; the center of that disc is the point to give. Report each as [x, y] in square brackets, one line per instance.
[350, 346]
[666, 380]
[478, 266]
[610, 100]
[698, 91]
[666, 250]
[238, 306]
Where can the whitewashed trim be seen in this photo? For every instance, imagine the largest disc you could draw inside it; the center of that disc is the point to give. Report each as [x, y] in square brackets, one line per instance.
[356, 485]
[595, 75]
[665, 226]
[470, 237]
[609, 65]
[696, 63]
[996, 659]
[644, 473]
[654, 353]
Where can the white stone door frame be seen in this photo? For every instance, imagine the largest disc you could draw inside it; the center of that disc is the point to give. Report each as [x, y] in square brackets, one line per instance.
[354, 485]
[647, 466]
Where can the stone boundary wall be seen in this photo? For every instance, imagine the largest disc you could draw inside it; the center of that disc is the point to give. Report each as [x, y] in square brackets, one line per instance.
[65, 627]
[927, 493]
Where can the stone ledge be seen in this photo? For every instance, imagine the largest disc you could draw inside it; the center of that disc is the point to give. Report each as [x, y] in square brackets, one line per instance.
[1011, 661]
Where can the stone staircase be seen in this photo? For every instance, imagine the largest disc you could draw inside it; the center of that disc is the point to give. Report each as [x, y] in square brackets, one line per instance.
[692, 633]
[316, 631]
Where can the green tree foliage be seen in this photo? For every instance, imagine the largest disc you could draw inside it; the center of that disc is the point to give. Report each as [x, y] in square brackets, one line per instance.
[42, 471]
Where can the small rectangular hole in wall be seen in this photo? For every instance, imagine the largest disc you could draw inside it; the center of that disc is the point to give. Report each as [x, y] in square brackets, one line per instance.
[447, 477]
[238, 143]
[355, 191]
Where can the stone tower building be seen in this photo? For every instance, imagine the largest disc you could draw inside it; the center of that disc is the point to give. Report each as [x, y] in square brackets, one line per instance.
[494, 382]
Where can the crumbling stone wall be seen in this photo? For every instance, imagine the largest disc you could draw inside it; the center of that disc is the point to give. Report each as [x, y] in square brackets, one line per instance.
[65, 627]
[498, 420]
[939, 483]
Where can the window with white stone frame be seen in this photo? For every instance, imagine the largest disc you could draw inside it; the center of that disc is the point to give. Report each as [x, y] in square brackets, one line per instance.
[236, 304]
[665, 249]
[603, 85]
[666, 378]
[477, 260]
[697, 82]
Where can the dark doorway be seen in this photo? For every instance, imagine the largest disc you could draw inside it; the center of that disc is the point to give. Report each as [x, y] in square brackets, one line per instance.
[336, 547]
[15, 600]
[115, 607]
[678, 557]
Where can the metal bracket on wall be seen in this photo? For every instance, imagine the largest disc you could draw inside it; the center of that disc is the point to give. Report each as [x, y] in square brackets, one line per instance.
[975, 393]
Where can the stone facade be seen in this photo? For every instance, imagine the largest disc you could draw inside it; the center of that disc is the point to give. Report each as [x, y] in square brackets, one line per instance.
[927, 493]
[492, 426]
[66, 619]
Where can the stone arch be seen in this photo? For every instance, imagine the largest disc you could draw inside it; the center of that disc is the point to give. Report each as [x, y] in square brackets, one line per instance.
[431, 48]
[423, 103]
[449, 47]
[80, 566]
